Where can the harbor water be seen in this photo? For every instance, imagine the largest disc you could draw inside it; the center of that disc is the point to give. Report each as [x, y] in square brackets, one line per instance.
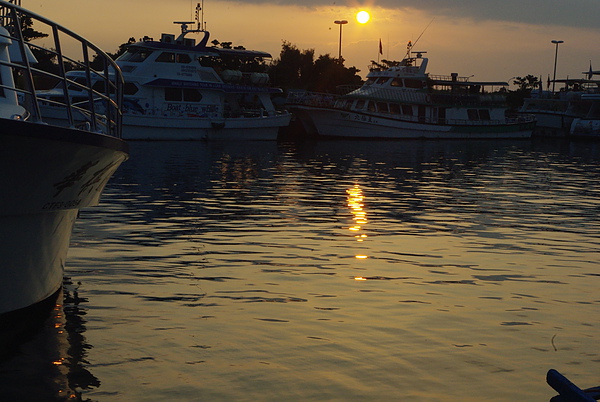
[328, 270]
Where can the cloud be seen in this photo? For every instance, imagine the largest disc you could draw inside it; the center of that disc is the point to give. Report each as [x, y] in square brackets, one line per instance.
[573, 13]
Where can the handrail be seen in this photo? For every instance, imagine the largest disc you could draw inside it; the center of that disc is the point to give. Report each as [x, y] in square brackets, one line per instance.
[105, 119]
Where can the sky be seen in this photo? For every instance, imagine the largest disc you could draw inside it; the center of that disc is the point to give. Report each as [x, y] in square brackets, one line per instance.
[488, 39]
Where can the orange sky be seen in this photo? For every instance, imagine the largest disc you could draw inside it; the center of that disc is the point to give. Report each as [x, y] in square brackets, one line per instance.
[488, 48]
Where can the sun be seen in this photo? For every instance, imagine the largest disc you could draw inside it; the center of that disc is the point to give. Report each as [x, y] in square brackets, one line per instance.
[363, 17]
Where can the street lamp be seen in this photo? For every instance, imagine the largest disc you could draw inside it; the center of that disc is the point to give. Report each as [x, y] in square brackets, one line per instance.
[556, 42]
[340, 23]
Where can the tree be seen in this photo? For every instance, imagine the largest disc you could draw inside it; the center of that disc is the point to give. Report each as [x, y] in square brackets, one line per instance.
[298, 69]
[98, 64]
[29, 33]
[385, 64]
[525, 85]
[292, 65]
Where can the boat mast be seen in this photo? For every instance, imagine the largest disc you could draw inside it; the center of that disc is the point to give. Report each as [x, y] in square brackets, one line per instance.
[410, 45]
[200, 24]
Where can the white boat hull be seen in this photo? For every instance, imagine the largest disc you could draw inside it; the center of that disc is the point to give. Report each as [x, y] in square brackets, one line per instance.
[586, 128]
[330, 122]
[552, 124]
[160, 128]
[142, 127]
[34, 249]
[49, 173]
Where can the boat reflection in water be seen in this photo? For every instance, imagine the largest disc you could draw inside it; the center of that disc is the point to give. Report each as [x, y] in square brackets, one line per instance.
[44, 359]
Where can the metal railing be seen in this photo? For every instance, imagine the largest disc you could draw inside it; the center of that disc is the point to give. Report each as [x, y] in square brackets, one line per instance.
[39, 67]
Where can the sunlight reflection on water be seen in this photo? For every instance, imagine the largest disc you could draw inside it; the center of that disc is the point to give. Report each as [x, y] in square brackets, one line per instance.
[343, 270]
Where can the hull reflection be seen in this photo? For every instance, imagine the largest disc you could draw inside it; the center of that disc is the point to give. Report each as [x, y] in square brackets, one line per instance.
[43, 352]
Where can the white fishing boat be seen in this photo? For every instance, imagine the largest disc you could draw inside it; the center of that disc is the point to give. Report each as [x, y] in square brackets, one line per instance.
[404, 101]
[588, 125]
[49, 172]
[568, 110]
[180, 89]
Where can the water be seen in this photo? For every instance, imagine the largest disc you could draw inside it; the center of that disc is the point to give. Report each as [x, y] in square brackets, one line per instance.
[330, 271]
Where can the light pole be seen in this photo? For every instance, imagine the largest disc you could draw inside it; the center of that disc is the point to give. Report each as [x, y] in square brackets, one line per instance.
[556, 42]
[340, 23]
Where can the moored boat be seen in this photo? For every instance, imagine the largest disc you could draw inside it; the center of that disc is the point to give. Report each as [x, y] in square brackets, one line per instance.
[49, 172]
[566, 111]
[180, 89]
[588, 126]
[404, 101]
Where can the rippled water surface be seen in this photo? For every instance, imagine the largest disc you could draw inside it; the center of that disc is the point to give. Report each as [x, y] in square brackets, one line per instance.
[338, 271]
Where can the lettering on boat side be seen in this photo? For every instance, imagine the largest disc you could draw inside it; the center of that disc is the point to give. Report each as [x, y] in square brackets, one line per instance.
[62, 204]
[364, 118]
[98, 179]
[73, 178]
[187, 71]
[190, 108]
[171, 107]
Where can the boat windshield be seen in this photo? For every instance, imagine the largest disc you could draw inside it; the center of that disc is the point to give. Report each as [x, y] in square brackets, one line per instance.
[135, 55]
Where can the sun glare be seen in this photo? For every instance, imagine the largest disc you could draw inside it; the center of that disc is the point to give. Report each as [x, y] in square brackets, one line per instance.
[363, 17]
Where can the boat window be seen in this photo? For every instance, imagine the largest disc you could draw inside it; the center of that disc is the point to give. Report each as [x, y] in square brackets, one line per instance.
[442, 114]
[79, 80]
[407, 110]
[370, 81]
[396, 82]
[173, 94]
[484, 114]
[394, 108]
[360, 104]
[183, 58]
[472, 113]
[343, 103]
[130, 88]
[191, 95]
[370, 106]
[478, 114]
[412, 83]
[185, 94]
[100, 87]
[166, 57]
[382, 107]
[135, 55]
[381, 80]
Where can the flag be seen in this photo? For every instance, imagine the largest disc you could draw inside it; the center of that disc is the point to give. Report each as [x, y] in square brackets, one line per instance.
[380, 47]
[548, 83]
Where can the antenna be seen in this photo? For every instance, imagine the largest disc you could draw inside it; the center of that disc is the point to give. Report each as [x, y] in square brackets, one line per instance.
[410, 45]
[200, 16]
